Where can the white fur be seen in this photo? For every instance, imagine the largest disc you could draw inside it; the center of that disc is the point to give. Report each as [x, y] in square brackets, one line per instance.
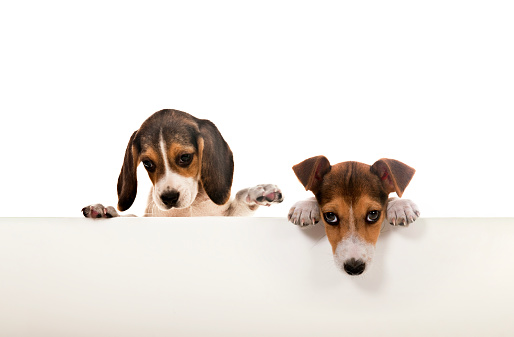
[199, 203]
[354, 247]
[172, 181]
[243, 204]
[399, 212]
[305, 213]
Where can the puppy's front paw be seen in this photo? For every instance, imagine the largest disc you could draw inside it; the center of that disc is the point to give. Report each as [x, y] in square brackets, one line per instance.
[402, 212]
[304, 213]
[98, 211]
[264, 195]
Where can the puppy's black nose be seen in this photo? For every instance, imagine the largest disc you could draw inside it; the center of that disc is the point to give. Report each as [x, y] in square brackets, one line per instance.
[170, 198]
[354, 267]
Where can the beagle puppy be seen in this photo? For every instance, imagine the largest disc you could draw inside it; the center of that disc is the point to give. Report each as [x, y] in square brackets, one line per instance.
[191, 168]
[352, 200]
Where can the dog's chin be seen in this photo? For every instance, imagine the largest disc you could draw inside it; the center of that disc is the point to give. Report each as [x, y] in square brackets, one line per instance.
[179, 205]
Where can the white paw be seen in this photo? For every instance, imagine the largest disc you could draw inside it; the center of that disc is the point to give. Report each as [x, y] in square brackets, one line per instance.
[402, 212]
[304, 213]
[98, 211]
[264, 195]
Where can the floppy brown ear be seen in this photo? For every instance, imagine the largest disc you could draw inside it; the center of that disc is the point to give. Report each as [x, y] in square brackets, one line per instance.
[310, 172]
[394, 174]
[127, 181]
[217, 163]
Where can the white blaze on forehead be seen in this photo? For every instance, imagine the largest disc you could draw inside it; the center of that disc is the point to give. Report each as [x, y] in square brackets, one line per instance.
[162, 145]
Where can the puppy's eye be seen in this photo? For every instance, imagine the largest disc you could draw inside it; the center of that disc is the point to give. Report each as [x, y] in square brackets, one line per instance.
[185, 159]
[372, 217]
[331, 218]
[149, 165]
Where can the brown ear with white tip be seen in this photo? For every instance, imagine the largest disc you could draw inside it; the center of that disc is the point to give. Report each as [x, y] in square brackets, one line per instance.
[310, 172]
[394, 174]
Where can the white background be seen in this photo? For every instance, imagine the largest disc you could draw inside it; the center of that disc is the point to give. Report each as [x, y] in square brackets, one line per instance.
[427, 83]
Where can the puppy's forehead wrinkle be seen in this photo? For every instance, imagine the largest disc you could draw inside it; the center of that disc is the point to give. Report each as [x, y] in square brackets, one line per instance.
[183, 134]
[173, 125]
[351, 180]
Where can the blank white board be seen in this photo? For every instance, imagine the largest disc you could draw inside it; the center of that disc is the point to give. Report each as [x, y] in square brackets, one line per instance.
[251, 277]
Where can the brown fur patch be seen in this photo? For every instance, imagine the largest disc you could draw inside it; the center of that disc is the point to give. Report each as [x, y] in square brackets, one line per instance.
[341, 208]
[175, 151]
[151, 154]
[351, 190]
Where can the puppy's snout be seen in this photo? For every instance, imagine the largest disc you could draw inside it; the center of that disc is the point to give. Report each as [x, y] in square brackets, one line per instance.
[354, 267]
[170, 198]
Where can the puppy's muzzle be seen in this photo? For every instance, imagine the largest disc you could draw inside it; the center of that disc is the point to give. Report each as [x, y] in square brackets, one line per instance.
[170, 199]
[354, 267]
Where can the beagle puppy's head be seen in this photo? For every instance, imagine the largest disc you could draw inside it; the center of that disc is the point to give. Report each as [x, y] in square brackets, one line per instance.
[179, 152]
[353, 202]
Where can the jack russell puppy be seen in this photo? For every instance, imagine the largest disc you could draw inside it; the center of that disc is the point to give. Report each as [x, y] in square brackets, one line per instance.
[191, 168]
[352, 199]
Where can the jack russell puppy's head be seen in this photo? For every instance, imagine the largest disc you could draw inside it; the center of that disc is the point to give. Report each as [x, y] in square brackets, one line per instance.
[181, 154]
[353, 198]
